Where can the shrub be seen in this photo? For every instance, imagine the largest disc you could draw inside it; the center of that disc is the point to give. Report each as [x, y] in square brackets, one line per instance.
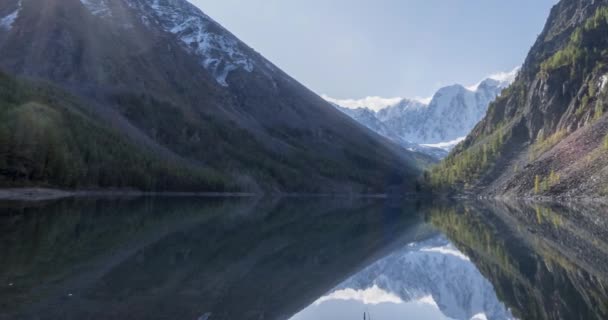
[464, 167]
[543, 144]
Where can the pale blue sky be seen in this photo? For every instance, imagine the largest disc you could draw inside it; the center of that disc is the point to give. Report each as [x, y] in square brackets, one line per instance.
[389, 48]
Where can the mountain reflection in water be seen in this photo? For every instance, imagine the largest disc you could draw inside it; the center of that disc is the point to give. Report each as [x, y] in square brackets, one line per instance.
[310, 258]
[431, 278]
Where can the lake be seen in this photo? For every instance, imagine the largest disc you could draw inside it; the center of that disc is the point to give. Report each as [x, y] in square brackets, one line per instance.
[302, 259]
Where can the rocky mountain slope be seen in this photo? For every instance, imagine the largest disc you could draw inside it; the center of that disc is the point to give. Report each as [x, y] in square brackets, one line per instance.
[547, 133]
[180, 90]
[434, 127]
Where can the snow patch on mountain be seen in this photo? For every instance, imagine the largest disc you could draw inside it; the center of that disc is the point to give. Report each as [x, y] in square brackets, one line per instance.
[424, 101]
[99, 8]
[506, 77]
[219, 50]
[447, 249]
[371, 103]
[8, 21]
[448, 145]
[372, 295]
[433, 271]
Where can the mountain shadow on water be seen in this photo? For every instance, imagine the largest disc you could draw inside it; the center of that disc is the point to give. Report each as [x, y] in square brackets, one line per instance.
[176, 258]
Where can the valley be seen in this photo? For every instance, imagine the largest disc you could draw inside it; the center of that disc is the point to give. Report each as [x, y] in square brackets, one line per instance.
[154, 165]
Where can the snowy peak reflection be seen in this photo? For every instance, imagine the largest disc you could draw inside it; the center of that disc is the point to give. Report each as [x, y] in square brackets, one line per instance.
[428, 274]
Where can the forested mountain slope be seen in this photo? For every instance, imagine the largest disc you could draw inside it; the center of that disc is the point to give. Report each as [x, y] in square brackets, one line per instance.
[547, 133]
[172, 85]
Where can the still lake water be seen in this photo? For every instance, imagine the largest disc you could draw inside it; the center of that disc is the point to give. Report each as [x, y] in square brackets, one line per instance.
[302, 259]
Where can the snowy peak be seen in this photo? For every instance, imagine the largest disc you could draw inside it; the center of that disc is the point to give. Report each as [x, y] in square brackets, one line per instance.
[501, 79]
[445, 120]
[403, 106]
[372, 103]
[219, 51]
[445, 94]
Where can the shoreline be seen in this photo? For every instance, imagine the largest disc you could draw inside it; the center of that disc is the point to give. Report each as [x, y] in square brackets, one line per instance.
[46, 194]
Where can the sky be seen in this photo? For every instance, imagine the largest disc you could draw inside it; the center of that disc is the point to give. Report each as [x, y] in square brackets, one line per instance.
[388, 48]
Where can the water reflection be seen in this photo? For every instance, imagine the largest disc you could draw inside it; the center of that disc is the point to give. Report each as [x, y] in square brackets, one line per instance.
[546, 261]
[163, 258]
[187, 258]
[430, 279]
[494, 260]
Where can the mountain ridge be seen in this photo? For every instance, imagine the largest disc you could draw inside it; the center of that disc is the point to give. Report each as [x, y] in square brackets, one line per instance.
[165, 76]
[449, 115]
[546, 135]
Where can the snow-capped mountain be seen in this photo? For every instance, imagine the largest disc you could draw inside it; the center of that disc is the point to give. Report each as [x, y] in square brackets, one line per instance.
[441, 122]
[220, 52]
[433, 271]
[369, 119]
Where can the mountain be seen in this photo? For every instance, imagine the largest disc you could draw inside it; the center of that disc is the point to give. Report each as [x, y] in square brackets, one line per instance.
[432, 271]
[160, 84]
[369, 119]
[435, 126]
[546, 135]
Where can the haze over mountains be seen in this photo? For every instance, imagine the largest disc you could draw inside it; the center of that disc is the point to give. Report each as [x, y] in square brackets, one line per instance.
[156, 95]
[434, 125]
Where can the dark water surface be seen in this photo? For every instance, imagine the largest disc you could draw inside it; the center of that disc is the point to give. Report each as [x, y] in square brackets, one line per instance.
[302, 259]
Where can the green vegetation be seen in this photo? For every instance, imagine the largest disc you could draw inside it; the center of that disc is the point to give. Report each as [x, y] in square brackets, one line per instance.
[606, 143]
[544, 144]
[471, 234]
[464, 167]
[584, 53]
[47, 246]
[537, 189]
[542, 185]
[583, 106]
[546, 214]
[586, 46]
[599, 111]
[580, 60]
[47, 140]
[528, 273]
